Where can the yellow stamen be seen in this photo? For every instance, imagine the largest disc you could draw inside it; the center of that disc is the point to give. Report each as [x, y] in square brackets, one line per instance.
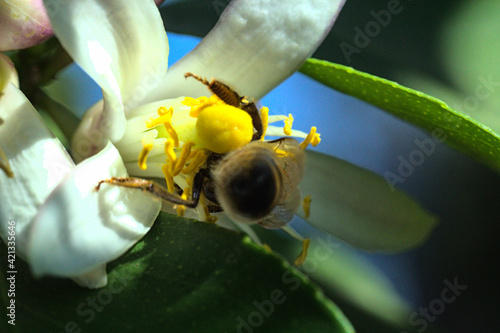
[200, 103]
[169, 150]
[143, 155]
[306, 205]
[168, 177]
[303, 255]
[172, 133]
[264, 116]
[208, 218]
[5, 166]
[181, 161]
[198, 157]
[181, 209]
[165, 119]
[165, 115]
[288, 125]
[312, 138]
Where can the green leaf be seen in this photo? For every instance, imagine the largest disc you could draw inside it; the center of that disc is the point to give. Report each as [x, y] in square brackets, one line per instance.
[184, 276]
[445, 124]
[371, 301]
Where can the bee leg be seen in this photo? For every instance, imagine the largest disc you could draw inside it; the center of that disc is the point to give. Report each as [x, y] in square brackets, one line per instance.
[226, 94]
[155, 189]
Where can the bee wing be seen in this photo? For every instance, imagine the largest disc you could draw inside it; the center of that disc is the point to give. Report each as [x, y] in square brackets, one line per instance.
[359, 207]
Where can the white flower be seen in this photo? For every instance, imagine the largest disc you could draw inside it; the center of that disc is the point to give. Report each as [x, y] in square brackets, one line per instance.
[254, 47]
[62, 225]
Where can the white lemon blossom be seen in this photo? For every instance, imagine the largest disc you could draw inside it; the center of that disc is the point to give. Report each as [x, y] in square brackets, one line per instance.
[74, 230]
[52, 202]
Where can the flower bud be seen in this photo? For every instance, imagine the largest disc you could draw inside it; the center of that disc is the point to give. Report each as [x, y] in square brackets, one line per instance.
[23, 23]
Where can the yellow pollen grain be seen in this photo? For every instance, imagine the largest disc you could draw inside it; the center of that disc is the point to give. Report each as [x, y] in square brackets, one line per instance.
[264, 116]
[288, 125]
[303, 255]
[143, 155]
[306, 205]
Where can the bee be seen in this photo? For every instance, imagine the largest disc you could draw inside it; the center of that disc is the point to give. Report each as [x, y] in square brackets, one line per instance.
[256, 183]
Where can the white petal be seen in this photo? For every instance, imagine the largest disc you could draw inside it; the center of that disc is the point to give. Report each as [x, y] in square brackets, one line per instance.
[255, 46]
[123, 47]
[79, 229]
[37, 159]
[359, 207]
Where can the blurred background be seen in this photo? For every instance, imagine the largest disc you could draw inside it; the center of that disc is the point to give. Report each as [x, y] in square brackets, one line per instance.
[446, 49]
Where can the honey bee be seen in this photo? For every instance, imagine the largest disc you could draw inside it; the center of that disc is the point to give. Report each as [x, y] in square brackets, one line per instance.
[257, 183]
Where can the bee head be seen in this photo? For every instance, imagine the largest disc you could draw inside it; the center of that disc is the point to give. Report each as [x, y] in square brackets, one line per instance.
[248, 182]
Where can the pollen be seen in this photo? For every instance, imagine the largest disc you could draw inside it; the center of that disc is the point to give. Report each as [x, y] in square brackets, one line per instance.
[200, 103]
[288, 125]
[264, 116]
[306, 205]
[223, 128]
[165, 119]
[143, 155]
[196, 159]
[312, 138]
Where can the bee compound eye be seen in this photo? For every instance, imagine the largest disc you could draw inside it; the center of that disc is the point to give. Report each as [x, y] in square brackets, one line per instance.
[252, 188]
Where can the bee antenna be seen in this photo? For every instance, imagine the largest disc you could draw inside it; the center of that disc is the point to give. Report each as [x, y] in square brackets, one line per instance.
[197, 77]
